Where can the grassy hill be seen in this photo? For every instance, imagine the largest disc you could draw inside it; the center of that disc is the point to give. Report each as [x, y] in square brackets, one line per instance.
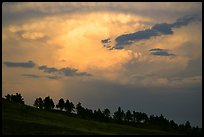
[23, 119]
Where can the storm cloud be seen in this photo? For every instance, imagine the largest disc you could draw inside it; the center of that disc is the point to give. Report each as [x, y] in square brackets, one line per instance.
[28, 64]
[156, 30]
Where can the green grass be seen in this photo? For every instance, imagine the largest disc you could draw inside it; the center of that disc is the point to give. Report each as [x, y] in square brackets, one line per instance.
[27, 120]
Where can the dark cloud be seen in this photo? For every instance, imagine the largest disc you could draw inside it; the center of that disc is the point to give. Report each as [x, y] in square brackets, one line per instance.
[37, 76]
[44, 68]
[65, 71]
[156, 30]
[28, 64]
[160, 52]
[53, 77]
[17, 12]
[106, 40]
[31, 75]
[108, 47]
[186, 20]
[68, 71]
[72, 72]
[128, 39]
[163, 28]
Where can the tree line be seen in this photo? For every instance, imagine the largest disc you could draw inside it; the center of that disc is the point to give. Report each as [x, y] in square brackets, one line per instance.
[137, 119]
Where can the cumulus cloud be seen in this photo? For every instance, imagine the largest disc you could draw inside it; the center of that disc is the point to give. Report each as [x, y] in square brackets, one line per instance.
[28, 64]
[64, 71]
[156, 30]
[160, 52]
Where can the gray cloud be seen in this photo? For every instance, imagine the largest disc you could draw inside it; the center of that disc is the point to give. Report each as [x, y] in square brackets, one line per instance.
[37, 76]
[53, 77]
[106, 40]
[65, 71]
[186, 20]
[15, 11]
[156, 30]
[73, 72]
[31, 75]
[28, 64]
[44, 68]
[160, 52]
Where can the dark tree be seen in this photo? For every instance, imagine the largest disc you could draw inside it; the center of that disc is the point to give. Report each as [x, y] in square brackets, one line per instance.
[134, 116]
[15, 98]
[48, 103]
[106, 113]
[38, 103]
[119, 115]
[52, 104]
[57, 106]
[173, 124]
[89, 113]
[61, 104]
[128, 116]
[69, 106]
[8, 97]
[187, 125]
[99, 115]
[80, 109]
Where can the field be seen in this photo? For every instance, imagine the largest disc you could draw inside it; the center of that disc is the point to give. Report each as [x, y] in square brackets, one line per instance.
[22, 119]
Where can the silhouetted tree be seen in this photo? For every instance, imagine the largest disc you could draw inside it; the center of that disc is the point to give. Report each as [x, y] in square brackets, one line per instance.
[119, 115]
[61, 104]
[15, 98]
[134, 116]
[57, 106]
[52, 104]
[106, 113]
[99, 115]
[187, 125]
[8, 97]
[128, 116]
[69, 106]
[173, 125]
[80, 109]
[48, 103]
[38, 103]
[89, 113]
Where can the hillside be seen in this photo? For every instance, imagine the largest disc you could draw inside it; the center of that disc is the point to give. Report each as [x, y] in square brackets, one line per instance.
[23, 119]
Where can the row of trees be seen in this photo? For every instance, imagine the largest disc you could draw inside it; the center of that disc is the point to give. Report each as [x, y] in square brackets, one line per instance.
[133, 118]
[15, 98]
[46, 103]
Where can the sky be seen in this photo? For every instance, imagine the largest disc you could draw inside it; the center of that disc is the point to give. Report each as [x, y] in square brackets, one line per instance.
[145, 57]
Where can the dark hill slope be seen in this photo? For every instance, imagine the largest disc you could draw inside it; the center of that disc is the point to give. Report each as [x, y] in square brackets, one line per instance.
[23, 119]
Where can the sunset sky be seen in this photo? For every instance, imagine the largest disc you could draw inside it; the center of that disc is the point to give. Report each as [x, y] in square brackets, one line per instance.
[145, 57]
